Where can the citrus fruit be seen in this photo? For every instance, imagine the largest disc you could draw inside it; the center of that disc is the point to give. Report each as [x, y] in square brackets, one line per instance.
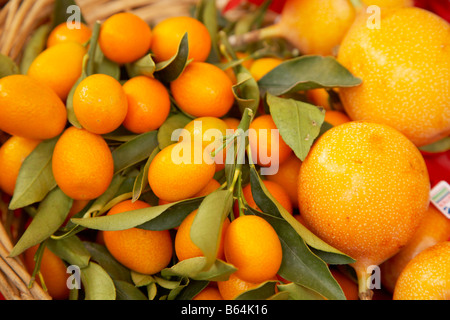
[167, 35]
[405, 73]
[59, 67]
[287, 177]
[364, 189]
[267, 146]
[209, 293]
[212, 186]
[260, 67]
[426, 276]
[82, 164]
[143, 251]
[319, 97]
[253, 247]
[179, 171]
[234, 286]
[335, 117]
[389, 3]
[125, 37]
[148, 104]
[434, 228]
[185, 248]
[12, 154]
[348, 286]
[100, 103]
[203, 90]
[275, 190]
[62, 33]
[30, 109]
[313, 27]
[53, 270]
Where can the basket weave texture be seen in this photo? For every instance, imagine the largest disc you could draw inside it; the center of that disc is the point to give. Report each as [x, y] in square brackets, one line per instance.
[18, 20]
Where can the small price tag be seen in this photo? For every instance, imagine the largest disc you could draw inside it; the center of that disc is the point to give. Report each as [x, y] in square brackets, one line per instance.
[440, 197]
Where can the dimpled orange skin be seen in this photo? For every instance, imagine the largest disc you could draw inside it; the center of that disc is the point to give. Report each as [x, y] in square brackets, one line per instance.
[12, 154]
[30, 109]
[203, 90]
[209, 293]
[178, 176]
[426, 276]
[287, 177]
[234, 286]
[61, 33]
[59, 67]
[389, 3]
[168, 33]
[364, 189]
[405, 73]
[148, 104]
[316, 27]
[100, 103]
[82, 164]
[125, 37]
[434, 228]
[253, 247]
[185, 248]
[143, 251]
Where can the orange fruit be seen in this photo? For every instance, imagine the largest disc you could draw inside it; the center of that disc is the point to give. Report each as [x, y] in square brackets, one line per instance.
[148, 104]
[59, 67]
[313, 27]
[232, 123]
[364, 189]
[335, 117]
[185, 248]
[100, 103]
[390, 61]
[426, 276]
[82, 164]
[266, 149]
[179, 171]
[62, 33]
[260, 67]
[287, 177]
[389, 3]
[209, 293]
[434, 228]
[348, 286]
[234, 286]
[212, 186]
[30, 109]
[143, 251]
[276, 190]
[253, 247]
[210, 131]
[53, 270]
[168, 33]
[125, 37]
[246, 63]
[12, 154]
[319, 97]
[203, 90]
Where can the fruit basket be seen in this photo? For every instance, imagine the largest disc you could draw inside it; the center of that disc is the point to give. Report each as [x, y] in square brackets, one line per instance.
[121, 196]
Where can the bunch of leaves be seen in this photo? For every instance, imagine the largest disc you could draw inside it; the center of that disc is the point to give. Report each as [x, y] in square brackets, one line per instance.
[305, 256]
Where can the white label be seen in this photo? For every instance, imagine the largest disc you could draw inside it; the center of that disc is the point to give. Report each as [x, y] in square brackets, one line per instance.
[440, 197]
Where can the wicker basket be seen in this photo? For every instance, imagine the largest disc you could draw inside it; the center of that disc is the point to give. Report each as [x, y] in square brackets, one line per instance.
[18, 20]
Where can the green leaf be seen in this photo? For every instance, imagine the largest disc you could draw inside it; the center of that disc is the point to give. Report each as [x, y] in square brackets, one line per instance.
[35, 178]
[103, 65]
[299, 123]
[170, 70]
[103, 257]
[145, 66]
[71, 250]
[98, 285]
[261, 292]
[305, 73]
[167, 134]
[71, 117]
[36, 44]
[62, 14]
[127, 291]
[246, 91]
[141, 280]
[298, 292]
[194, 268]
[134, 151]
[442, 145]
[208, 15]
[192, 289]
[141, 180]
[51, 213]
[206, 229]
